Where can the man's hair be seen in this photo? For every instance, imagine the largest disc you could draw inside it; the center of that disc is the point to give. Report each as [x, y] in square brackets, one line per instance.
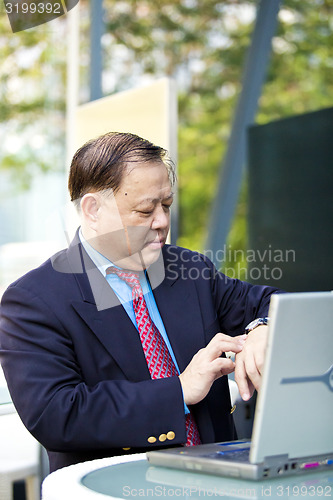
[101, 163]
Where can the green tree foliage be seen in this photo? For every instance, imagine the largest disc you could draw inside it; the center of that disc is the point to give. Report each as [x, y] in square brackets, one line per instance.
[202, 45]
[31, 100]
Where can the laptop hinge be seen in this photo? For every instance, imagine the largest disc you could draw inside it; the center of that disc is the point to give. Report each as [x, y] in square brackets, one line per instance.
[273, 459]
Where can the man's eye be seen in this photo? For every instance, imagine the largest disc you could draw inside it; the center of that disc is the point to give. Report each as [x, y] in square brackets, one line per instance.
[147, 212]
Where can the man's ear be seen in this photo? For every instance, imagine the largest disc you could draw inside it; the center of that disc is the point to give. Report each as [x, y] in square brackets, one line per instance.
[90, 205]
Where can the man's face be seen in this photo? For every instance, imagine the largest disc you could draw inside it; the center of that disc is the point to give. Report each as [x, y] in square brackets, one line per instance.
[133, 224]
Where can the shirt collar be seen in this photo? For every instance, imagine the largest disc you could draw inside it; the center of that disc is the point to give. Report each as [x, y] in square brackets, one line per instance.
[100, 261]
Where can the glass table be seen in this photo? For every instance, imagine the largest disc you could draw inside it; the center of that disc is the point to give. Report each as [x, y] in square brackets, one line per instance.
[133, 476]
[6, 405]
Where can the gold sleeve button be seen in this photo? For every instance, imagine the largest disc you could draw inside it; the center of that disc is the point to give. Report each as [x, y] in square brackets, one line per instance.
[171, 435]
[162, 437]
[151, 439]
[232, 409]
[126, 449]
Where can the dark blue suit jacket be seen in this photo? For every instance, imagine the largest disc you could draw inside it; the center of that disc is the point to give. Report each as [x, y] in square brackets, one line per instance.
[75, 366]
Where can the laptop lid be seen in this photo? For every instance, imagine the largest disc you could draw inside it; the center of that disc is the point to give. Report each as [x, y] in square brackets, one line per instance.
[293, 420]
[295, 403]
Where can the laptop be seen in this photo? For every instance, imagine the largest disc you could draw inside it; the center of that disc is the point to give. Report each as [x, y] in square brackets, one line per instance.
[293, 423]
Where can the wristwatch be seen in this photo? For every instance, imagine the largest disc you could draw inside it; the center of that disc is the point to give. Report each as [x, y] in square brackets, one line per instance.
[256, 322]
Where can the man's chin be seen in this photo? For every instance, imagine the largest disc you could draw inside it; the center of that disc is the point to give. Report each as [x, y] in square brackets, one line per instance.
[140, 261]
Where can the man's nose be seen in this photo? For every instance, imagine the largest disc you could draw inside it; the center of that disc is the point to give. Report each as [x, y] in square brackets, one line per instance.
[161, 219]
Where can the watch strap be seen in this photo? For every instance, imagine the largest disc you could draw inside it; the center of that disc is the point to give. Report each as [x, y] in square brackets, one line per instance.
[255, 323]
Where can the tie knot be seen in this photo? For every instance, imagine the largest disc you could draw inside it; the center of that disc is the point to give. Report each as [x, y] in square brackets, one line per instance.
[131, 278]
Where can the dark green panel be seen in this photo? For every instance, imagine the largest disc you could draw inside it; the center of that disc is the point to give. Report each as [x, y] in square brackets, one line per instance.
[291, 202]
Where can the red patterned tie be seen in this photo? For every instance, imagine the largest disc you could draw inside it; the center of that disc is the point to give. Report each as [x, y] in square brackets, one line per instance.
[159, 360]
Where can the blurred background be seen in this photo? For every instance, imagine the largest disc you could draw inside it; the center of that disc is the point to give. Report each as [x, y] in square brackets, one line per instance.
[202, 46]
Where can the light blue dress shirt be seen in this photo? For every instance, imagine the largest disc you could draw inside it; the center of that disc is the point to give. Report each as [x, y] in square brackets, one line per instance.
[124, 293]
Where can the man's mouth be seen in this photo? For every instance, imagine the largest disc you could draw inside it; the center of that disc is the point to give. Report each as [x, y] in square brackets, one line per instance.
[156, 243]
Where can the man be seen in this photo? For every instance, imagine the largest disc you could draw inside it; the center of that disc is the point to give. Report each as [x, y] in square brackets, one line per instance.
[117, 344]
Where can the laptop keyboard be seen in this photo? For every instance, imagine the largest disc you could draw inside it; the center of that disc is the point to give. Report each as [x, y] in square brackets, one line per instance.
[239, 455]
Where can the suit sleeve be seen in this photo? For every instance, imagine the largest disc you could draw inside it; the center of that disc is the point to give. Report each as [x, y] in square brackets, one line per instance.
[237, 302]
[55, 403]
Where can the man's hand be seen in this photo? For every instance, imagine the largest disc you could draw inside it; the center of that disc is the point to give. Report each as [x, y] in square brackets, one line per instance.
[207, 366]
[249, 362]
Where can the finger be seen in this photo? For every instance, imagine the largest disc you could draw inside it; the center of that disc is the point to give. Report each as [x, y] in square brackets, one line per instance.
[248, 375]
[222, 336]
[251, 388]
[241, 338]
[222, 343]
[259, 360]
[242, 379]
[222, 366]
[252, 370]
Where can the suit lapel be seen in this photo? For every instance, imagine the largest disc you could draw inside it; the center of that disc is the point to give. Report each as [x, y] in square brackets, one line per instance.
[102, 312]
[116, 332]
